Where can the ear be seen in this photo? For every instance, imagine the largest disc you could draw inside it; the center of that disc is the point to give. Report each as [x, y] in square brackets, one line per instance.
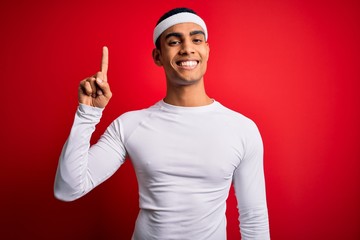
[156, 57]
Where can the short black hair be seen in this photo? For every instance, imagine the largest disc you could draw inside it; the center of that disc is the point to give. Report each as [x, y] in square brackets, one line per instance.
[169, 14]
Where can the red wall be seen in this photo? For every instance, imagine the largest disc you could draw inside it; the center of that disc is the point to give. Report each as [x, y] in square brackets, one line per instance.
[292, 66]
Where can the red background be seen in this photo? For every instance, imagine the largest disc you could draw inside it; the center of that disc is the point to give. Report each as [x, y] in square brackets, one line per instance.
[291, 66]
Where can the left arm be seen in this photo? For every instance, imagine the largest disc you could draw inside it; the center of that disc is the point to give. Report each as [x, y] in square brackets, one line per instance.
[249, 185]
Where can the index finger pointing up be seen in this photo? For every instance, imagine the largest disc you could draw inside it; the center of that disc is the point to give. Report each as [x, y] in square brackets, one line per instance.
[104, 60]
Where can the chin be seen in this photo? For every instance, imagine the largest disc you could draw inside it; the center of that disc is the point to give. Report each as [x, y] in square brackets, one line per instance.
[184, 79]
[188, 78]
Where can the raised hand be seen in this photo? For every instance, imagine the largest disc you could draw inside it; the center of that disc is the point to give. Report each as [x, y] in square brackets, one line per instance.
[95, 90]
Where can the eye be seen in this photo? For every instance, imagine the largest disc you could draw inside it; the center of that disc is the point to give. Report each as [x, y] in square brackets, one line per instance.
[197, 40]
[174, 42]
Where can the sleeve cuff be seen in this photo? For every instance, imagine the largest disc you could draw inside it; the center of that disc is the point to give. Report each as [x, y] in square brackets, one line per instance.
[88, 110]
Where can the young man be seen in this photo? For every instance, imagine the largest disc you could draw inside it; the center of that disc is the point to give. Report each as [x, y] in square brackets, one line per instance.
[186, 150]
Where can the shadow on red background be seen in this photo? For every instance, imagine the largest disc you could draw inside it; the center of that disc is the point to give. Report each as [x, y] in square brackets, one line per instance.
[291, 66]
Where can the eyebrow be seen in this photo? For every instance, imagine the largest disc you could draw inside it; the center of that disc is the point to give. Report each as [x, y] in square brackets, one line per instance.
[197, 32]
[179, 35]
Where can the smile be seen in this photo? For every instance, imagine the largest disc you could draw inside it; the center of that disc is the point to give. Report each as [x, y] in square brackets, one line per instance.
[191, 64]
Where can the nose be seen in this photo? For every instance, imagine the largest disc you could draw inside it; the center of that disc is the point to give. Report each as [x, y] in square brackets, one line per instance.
[186, 47]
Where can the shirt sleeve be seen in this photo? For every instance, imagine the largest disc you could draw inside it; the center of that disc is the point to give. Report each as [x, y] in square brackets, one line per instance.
[249, 186]
[81, 167]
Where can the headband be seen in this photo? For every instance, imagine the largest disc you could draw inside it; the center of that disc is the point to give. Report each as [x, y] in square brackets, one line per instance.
[182, 17]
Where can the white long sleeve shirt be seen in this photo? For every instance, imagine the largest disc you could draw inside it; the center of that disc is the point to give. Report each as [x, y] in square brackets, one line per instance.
[185, 159]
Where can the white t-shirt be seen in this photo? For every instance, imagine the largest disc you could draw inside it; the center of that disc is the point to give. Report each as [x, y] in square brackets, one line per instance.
[185, 159]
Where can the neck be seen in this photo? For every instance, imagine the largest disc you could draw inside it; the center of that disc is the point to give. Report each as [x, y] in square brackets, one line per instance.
[193, 95]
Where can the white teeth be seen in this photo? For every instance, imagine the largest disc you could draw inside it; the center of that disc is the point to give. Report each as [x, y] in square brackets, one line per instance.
[188, 63]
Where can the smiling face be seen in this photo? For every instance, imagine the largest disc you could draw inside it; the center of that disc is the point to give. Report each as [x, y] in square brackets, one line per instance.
[183, 53]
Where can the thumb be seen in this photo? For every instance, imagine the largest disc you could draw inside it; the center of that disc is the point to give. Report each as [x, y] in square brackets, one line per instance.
[104, 86]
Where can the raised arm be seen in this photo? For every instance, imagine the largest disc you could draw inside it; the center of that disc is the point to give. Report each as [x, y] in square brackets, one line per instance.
[81, 167]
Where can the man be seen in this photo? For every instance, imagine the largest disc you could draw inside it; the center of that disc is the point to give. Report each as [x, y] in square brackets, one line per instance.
[186, 150]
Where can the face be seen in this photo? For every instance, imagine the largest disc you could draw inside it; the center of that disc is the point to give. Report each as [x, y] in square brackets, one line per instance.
[183, 54]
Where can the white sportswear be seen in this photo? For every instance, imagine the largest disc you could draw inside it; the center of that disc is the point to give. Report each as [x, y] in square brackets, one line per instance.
[185, 159]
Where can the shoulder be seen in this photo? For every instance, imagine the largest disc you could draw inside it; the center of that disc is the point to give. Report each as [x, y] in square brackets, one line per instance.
[234, 117]
[131, 120]
[137, 115]
[247, 129]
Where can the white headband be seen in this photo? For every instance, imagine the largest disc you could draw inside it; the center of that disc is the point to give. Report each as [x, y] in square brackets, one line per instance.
[182, 17]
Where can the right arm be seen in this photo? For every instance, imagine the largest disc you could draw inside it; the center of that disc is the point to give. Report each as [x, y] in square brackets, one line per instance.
[81, 167]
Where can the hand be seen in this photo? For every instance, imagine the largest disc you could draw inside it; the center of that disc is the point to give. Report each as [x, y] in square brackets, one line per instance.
[95, 91]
